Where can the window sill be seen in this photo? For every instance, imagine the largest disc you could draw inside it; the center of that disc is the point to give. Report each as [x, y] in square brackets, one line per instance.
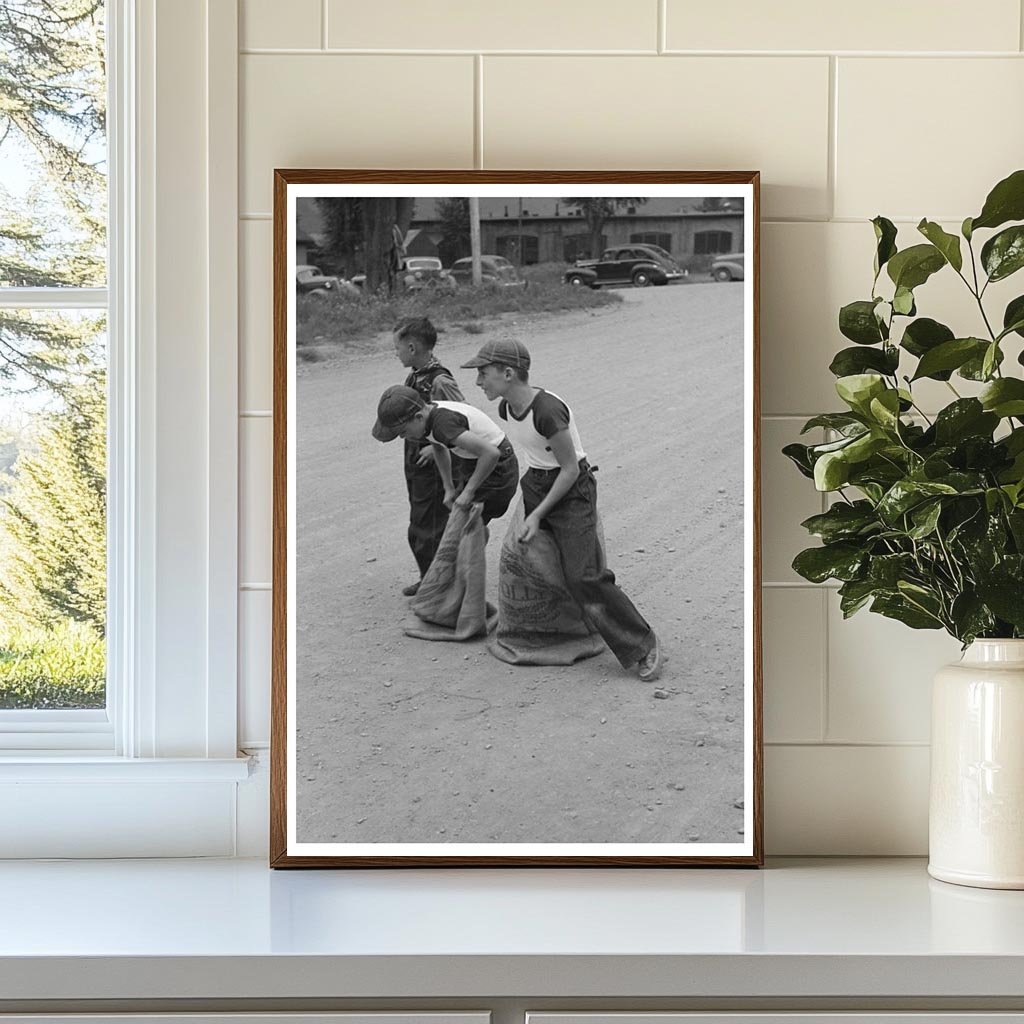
[74, 766]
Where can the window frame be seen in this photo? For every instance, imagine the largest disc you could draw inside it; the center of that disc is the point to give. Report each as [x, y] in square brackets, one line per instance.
[169, 775]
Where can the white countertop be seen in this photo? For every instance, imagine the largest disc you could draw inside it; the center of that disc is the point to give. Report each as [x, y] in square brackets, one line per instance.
[233, 929]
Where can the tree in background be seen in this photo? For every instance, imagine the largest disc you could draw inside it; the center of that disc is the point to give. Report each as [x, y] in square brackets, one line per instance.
[596, 211]
[54, 518]
[342, 219]
[53, 113]
[453, 215]
[366, 234]
[385, 224]
[53, 234]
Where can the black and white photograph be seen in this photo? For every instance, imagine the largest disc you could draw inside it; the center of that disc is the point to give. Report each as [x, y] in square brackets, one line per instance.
[516, 566]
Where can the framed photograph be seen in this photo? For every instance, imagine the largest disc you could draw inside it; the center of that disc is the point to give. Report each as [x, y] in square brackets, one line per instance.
[516, 576]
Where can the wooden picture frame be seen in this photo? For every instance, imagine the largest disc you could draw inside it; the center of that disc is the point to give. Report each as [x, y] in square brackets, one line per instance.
[380, 753]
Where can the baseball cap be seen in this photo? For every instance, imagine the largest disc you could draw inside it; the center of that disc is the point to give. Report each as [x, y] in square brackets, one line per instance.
[397, 405]
[506, 351]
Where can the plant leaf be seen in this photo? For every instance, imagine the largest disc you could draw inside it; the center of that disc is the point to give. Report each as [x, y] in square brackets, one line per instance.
[1004, 397]
[1003, 254]
[906, 494]
[1013, 317]
[885, 409]
[990, 360]
[885, 236]
[903, 302]
[849, 361]
[887, 570]
[1005, 202]
[842, 561]
[1005, 596]
[831, 471]
[966, 417]
[913, 266]
[857, 321]
[841, 421]
[842, 521]
[897, 607]
[925, 518]
[947, 244]
[923, 335]
[799, 455]
[974, 368]
[970, 617]
[858, 389]
[950, 355]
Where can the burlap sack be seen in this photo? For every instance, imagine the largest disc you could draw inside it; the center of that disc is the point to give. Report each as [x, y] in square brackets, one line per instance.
[451, 603]
[539, 621]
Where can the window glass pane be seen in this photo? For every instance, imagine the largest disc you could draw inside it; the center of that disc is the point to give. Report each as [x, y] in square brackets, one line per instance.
[53, 150]
[52, 509]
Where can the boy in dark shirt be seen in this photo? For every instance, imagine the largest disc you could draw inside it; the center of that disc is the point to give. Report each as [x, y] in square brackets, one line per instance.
[414, 342]
[560, 495]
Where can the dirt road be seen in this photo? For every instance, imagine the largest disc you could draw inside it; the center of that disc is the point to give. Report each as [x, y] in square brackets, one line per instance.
[403, 740]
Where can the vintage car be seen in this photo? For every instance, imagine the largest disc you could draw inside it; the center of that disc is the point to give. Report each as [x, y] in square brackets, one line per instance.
[638, 265]
[420, 272]
[309, 281]
[494, 270]
[728, 267]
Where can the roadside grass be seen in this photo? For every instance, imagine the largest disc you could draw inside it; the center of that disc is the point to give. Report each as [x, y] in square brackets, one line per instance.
[63, 667]
[322, 320]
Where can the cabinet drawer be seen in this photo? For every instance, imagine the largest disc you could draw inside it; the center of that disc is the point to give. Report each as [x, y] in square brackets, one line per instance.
[360, 1017]
[850, 1017]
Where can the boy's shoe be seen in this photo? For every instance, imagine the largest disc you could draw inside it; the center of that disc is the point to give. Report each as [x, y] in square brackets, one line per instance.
[650, 663]
[412, 590]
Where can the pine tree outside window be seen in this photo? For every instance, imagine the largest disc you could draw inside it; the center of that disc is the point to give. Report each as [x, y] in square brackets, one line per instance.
[53, 366]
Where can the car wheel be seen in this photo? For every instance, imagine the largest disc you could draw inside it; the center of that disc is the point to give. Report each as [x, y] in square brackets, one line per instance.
[576, 280]
[723, 274]
[641, 279]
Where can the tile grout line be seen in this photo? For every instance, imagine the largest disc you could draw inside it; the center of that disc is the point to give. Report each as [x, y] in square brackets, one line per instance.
[478, 111]
[1020, 25]
[852, 744]
[831, 170]
[662, 40]
[340, 51]
[825, 723]
[323, 24]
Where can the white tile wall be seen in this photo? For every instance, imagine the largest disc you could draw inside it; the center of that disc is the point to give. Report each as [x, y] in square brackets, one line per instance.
[909, 110]
[872, 25]
[693, 113]
[471, 25]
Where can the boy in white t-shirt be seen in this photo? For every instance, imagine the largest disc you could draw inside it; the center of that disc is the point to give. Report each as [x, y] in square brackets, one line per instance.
[491, 470]
[560, 495]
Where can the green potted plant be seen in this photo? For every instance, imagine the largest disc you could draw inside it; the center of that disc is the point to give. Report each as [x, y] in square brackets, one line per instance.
[927, 521]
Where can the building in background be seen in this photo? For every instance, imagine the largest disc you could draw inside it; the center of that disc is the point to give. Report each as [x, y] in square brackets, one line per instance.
[547, 230]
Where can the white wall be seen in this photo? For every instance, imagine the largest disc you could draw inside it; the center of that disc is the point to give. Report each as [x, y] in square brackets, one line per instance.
[905, 109]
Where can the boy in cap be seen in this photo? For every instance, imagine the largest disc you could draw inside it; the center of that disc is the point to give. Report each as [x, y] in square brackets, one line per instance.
[490, 472]
[414, 340]
[560, 495]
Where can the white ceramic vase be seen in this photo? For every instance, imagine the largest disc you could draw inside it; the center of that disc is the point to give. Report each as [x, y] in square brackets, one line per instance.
[976, 812]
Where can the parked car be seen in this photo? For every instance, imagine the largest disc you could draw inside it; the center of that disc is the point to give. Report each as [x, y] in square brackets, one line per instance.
[494, 270]
[728, 267]
[309, 280]
[419, 272]
[638, 265]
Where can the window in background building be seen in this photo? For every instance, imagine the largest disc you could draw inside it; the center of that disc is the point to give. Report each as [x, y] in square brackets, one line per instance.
[53, 355]
[707, 243]
[662, 239]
